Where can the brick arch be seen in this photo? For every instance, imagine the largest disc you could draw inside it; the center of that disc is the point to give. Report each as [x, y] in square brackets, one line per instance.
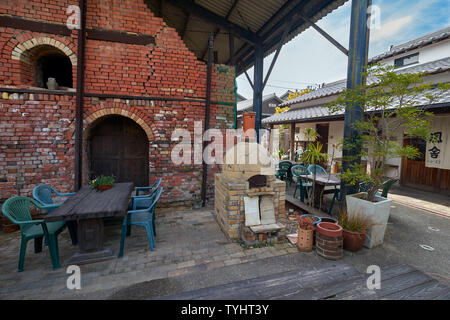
[121, 112]
[23, 51]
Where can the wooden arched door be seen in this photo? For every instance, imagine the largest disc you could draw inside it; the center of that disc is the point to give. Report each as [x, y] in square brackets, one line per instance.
[119, 146]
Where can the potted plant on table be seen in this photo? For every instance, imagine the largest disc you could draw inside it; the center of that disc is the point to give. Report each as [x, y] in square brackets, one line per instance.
[102, 183]
[354, 227]
[389, 103]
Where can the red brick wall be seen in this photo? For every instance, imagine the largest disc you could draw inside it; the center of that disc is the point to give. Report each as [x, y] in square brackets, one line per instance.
[36, 130]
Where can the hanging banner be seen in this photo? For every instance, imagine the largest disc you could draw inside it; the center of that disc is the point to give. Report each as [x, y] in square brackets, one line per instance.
[438, 152]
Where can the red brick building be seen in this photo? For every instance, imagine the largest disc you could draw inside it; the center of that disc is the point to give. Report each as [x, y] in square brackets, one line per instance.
[141, 82]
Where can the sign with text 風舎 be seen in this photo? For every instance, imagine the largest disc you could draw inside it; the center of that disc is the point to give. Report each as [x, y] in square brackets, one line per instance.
[438, 150]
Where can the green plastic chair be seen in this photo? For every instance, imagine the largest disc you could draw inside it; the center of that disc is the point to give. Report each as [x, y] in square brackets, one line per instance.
[365, 186]
[387, 186]
[297, 171]
[17, 210]
[151, 189]
[282, 171]
[317, 168]
[144, 201]
[143, 218]
[44, 195]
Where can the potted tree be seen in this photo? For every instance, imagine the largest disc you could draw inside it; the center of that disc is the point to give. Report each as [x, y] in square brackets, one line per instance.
[389, 103]
[313, 155]
[354, 227]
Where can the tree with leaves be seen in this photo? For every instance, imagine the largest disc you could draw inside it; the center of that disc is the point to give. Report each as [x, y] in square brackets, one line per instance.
[390, 102]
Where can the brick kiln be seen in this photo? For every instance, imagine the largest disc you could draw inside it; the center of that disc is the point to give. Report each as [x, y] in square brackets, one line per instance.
[248, 198]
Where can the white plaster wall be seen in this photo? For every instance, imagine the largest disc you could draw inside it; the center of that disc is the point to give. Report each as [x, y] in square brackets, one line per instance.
[429, 53]
[335, 135]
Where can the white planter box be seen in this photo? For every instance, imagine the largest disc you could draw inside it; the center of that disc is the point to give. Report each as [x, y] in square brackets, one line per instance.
[378, 211]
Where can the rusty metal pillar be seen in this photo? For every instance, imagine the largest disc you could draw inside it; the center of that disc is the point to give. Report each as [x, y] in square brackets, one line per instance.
[207, 112]
[80, 96]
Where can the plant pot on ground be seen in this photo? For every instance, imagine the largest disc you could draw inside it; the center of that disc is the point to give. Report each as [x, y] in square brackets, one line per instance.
[305, 233]
[355, 227]
[377, 211]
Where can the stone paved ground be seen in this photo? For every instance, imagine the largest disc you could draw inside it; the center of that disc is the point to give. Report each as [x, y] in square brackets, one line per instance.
[187, 241]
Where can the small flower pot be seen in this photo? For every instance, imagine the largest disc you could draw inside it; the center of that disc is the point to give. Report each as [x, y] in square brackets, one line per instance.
[329, 229]
[104, 187]
[316, 218]
[353, 241]
[305, 240]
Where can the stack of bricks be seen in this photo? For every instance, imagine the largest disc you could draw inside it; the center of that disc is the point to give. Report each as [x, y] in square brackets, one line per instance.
[37, 130]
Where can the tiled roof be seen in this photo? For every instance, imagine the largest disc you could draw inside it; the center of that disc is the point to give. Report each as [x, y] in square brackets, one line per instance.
[413, 44]
[321, 112]
[338, 86]
[244, 105]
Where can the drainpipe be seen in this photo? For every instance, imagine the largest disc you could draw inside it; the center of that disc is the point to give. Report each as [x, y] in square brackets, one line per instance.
[80, 96]
[207, 107]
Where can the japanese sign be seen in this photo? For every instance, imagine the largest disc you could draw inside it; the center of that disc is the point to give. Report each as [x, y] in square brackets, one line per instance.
[438, 149]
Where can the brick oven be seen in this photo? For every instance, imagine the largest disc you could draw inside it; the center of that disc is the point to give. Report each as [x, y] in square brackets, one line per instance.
[249, 200]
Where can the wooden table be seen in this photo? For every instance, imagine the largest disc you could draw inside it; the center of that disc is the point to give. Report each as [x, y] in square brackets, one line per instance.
[322, 181]
[88, 207]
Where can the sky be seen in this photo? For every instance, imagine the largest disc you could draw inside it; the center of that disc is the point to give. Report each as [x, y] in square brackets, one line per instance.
[309, 59]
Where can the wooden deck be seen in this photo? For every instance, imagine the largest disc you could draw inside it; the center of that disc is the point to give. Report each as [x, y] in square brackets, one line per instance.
[333, 280]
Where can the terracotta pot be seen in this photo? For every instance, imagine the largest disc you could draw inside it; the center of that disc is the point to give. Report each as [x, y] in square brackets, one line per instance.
[104, 187]
[305, 240]
[329, 229]
[353, 241]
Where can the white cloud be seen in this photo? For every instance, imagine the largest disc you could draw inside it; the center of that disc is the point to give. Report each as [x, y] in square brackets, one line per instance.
[390, 28]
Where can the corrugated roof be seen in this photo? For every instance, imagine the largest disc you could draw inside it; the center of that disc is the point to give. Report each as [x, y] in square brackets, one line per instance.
[338, 86]
[246, 104]
[429, 38]
[319, 112]
[312, 113]
[264, 18]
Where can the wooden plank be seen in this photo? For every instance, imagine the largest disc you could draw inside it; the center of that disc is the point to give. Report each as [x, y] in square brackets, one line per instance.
[303, 206]
[264, 287]
[337, 280]
[33, 25]
[426, 291]
[393, 279]
[118, 36]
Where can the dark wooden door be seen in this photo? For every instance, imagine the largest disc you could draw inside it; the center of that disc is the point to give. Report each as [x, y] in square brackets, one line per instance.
[415, 174]
[119, 147]
[322, 131]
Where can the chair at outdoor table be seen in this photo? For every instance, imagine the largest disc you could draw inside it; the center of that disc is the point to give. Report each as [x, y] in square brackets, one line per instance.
[17, 210]
[298, 171]
[143, 218]
[282, 171]
[149, 189]
[318, 169]
[44, 195]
